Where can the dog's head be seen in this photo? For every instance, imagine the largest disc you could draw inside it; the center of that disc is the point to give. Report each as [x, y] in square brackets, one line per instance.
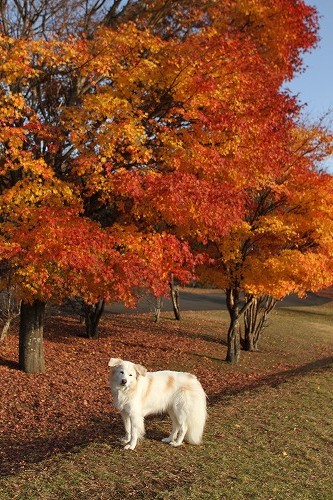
[124, 374]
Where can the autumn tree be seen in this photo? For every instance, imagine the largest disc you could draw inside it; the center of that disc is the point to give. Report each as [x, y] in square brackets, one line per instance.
[36, 198]
[285, 240]
[129, 120]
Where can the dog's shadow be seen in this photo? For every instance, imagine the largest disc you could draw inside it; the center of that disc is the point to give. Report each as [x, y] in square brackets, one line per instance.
[16, 452]
[157, 427]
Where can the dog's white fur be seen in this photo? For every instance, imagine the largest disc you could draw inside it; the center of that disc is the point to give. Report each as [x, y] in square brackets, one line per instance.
[138, 393]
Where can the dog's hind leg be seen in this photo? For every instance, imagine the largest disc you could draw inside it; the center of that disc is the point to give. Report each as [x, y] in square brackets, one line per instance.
[179, 429]
[175, 428]
[181, 434]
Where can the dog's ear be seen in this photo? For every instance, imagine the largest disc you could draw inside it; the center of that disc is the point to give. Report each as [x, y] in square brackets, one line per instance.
[114, 362]
[141, 370]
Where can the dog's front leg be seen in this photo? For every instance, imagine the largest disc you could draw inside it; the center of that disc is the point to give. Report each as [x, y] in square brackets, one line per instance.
[127, 425]
[137, 431]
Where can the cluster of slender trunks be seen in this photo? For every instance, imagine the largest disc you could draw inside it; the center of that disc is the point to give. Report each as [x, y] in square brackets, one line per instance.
[249, 311]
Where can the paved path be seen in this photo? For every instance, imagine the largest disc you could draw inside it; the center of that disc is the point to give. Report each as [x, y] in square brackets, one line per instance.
[210, 301]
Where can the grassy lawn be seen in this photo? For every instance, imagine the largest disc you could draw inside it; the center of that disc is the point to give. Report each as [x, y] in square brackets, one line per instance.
[269, 434]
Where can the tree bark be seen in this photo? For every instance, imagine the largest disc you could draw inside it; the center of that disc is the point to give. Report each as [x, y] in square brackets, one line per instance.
[236, 310]
[5, 330]
[158, 309]
[255, 320]
[92, 316]
[174, 292]
[31, 350]
[233, 341]
[9, 310]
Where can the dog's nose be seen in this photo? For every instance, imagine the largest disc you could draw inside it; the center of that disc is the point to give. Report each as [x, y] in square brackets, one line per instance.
[123, 381]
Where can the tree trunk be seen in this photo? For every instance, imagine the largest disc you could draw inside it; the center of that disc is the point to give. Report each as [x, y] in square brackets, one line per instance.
[236, 310]
[255, 320]
[5, 330]
[250, 322]
[233, 350]
[9, 310]
[31, 350]
[174, 291]
[158, 309]
[248, 341]
[92, 316]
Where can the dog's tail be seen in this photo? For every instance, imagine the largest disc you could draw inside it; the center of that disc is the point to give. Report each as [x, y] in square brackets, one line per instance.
[196, 417]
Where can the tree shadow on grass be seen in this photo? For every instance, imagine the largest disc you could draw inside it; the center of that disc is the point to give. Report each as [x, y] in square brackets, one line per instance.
[68, 328]
[199, 336]
[276, 379]
[12, 365]
[63, 329]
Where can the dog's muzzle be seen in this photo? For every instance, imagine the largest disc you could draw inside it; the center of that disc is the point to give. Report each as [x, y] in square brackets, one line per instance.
[123, 381]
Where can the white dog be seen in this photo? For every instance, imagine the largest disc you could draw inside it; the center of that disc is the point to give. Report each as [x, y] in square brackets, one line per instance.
[138, 393]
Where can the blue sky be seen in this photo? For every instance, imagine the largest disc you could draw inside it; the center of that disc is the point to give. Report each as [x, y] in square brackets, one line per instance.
[315, 85]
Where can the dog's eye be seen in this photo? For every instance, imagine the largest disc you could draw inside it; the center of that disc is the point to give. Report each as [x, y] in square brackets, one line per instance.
[131, 374]
[121, 371]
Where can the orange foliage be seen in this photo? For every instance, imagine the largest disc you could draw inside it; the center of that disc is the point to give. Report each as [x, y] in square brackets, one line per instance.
[284, 245]
[121, 149]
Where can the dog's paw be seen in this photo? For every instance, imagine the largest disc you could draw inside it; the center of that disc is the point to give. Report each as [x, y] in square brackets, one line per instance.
[167, 440]
[129, 447]
[175, 444]
[124, 440]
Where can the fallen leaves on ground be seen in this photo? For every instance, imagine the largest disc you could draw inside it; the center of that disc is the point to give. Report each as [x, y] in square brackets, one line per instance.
[70, 405]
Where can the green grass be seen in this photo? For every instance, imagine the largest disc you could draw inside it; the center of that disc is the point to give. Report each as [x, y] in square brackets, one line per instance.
[272, 441]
